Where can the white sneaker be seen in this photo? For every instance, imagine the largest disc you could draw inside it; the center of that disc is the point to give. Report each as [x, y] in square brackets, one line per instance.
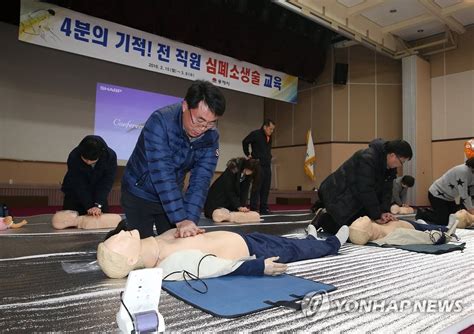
[343, 234]
[453, 223]
[421, 221]
[311, 230]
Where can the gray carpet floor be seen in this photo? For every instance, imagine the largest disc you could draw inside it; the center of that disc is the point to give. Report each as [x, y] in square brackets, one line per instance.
[37, 294]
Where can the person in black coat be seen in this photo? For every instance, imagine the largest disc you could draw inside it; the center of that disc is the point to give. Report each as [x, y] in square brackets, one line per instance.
[231, 189]
[88, 181]
[260, 142]
[362, 185]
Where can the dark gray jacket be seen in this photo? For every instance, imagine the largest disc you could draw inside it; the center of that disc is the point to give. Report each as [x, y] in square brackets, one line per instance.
[362, 185]
[399, 193]
[87, 184]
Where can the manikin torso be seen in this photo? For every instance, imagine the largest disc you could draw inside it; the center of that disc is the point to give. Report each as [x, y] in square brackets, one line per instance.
[380, 231]
[67, 218]
[223, 244]
[377, 231]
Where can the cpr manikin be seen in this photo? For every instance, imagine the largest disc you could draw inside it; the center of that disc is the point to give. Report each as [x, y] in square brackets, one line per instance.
[67, 218]
[401, 210]
[212, 254]
[7, 222]
[364, 230]
[397, 232]
[224, 215]
[465, 219]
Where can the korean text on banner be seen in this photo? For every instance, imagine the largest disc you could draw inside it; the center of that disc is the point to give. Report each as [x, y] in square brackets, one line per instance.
[62, 29]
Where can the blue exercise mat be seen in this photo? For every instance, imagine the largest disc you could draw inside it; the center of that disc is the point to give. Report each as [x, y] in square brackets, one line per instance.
[235, 296]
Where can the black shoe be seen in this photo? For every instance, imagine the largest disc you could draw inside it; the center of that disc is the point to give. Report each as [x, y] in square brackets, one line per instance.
[317, 205]
[317, 217]
[420, 214]
[265, 212]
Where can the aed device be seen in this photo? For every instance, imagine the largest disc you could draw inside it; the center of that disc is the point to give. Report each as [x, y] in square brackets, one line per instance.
[139, 303]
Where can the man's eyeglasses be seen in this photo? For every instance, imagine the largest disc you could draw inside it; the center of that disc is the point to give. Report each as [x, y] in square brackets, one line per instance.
[400, 160]
[201, 122]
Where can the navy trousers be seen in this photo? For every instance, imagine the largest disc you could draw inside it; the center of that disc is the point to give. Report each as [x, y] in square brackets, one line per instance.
[428, 227]
[143, 215]
[290, 250]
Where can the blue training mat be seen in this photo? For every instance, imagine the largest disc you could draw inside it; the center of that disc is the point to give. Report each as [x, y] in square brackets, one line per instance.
[235, 296]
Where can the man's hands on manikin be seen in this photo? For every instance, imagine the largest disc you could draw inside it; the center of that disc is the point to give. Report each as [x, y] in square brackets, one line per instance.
[187, 228]
[274, 268]
[385, 218]
[94, 211]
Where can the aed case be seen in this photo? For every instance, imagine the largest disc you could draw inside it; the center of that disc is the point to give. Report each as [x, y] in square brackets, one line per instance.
[138, 311]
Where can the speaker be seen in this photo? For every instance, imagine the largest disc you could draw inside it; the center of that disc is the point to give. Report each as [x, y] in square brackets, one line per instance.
[340, 74]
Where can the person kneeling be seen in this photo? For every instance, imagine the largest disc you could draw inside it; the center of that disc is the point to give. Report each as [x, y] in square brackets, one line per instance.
[212, 254]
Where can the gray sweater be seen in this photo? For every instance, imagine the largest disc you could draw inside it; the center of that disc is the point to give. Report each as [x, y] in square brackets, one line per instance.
[399, 193]
[455, 182]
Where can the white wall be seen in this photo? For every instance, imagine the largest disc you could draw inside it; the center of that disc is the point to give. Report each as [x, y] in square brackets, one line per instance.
[452, 99]
[48, 100]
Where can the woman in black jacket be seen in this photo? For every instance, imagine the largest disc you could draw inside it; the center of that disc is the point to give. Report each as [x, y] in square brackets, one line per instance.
[231, 189]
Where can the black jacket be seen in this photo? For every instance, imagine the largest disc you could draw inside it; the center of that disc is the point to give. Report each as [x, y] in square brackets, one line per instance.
[89, 184]
[227, 191]
[261, 150]
[362, 185]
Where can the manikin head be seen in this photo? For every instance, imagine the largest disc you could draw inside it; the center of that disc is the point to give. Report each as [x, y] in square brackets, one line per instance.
[403, 210]
[223, 214]
[64, 219]
[395, 209]
[360, 231]
[220, 215]
[464, 219]
[120, 254]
